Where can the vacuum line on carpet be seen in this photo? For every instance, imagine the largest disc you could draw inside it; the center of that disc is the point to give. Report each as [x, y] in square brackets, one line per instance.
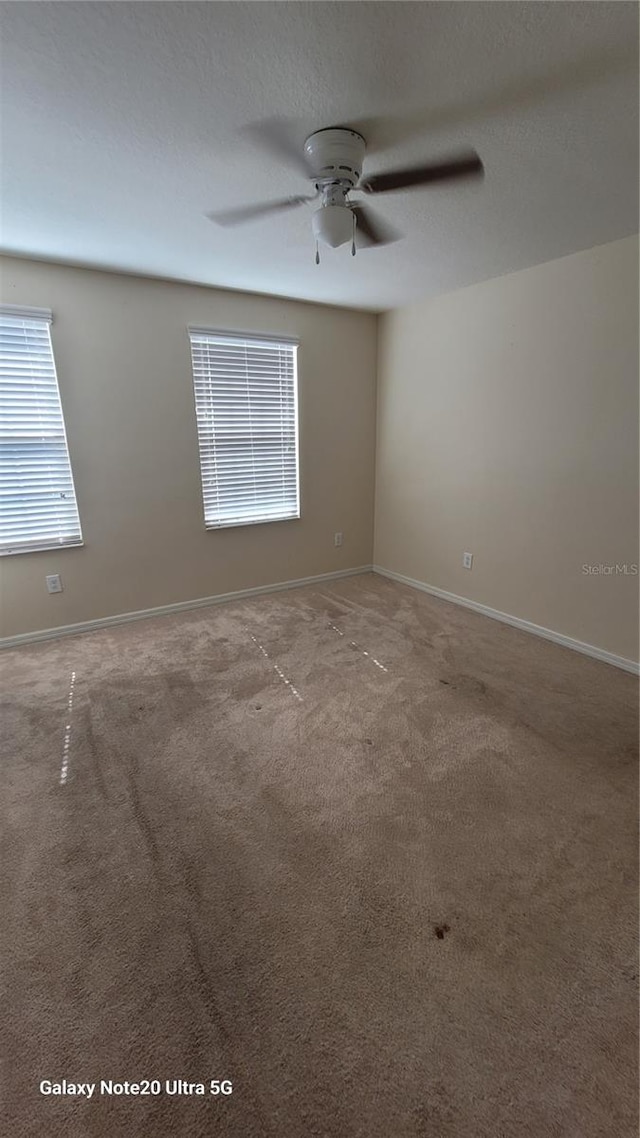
[352, 644]
[64, 769]
[294, 691]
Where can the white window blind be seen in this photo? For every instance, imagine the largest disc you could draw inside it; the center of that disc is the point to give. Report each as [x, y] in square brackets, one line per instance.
[247, 416]
[37, 498]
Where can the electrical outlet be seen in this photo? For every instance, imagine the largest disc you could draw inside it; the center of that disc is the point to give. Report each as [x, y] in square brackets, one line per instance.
[467, 560]
[54, 583]
[337, 539]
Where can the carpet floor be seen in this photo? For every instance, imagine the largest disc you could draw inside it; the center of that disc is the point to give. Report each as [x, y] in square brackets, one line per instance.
[368, 856]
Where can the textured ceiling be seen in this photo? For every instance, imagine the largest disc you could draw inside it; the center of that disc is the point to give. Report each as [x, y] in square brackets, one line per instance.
[124, 123]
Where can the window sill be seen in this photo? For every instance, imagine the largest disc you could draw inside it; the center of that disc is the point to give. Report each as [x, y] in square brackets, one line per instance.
[57, 546]
[251, 522]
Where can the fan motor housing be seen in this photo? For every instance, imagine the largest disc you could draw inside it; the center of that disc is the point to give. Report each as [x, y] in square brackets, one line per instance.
[335, 154]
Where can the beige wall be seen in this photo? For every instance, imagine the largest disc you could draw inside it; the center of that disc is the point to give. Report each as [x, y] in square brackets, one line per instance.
[508, 427]
[123, 361]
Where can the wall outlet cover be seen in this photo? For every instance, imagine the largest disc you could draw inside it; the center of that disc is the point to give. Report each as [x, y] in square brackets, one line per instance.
[467, 560]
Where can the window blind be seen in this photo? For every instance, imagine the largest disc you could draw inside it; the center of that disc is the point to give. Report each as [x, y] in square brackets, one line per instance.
[247, 417]
[37, 498]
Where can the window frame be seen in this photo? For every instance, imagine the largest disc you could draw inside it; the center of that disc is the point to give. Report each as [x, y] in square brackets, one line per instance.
[231, 335]
[45, 316]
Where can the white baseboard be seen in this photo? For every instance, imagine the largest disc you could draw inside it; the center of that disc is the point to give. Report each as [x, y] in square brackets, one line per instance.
[280, 586]
[516, 621]
[179, 606]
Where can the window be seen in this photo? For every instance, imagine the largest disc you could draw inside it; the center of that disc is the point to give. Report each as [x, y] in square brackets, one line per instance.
[37, 499]
[247, 415]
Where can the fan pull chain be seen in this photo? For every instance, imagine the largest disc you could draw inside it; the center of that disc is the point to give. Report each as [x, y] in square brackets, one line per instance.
[353, 239]
[317, 254]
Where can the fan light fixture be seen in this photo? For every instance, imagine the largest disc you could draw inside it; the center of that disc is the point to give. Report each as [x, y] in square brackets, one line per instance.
[333, 225]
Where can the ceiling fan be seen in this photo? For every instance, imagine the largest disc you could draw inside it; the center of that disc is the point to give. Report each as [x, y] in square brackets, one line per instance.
[332, 159]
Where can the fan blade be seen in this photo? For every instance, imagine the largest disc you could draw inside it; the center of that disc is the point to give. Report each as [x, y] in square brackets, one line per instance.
[370, 229]
[244, 213]
[464, 167]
